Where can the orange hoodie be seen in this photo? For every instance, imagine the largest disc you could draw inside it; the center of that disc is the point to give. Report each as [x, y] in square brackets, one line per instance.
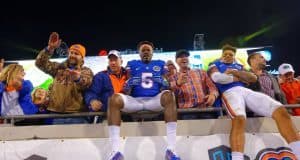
[292, 92]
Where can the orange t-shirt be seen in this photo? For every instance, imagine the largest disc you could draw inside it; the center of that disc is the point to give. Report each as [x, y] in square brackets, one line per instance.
[292, 92]
[117, 82]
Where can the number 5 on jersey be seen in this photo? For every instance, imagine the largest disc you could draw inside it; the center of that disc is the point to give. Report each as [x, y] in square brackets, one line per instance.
[147, 81]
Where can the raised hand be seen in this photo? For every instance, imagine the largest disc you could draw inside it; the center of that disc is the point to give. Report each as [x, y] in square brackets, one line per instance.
[54, 41]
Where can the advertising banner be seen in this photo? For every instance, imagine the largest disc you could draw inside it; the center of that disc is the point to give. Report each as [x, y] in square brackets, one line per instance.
[262, 146]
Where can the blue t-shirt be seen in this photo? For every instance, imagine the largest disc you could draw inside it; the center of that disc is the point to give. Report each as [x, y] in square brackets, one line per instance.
[222, 67]
[146, 79]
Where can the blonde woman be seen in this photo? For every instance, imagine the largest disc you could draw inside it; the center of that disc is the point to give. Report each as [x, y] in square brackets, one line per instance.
[15, 98]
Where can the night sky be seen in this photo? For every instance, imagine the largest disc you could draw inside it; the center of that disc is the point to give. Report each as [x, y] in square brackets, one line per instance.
[170, 25]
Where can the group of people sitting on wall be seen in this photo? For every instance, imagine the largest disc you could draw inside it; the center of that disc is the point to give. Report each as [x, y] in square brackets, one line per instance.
[147, 84]
[76, 89]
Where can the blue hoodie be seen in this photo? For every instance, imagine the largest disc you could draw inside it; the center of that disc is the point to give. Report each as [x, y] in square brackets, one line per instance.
[25, 100]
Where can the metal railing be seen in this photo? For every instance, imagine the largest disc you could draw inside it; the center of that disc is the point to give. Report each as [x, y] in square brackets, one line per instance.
[13, 118]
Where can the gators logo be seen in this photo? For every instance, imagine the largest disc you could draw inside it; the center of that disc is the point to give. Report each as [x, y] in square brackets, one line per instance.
[222, 152]
[281, 153]
[156, 68]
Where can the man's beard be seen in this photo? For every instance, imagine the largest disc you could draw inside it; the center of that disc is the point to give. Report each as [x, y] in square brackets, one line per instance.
[262, 66]
[73, 62]
[146, 59]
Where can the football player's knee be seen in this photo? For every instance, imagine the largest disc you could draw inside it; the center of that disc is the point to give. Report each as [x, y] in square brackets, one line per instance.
[116, 101]
[281, 113]
[238, 121]
[167, 98]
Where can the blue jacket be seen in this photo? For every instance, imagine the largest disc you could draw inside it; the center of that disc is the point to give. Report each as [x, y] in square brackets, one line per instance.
[100, 89]
[25, 100]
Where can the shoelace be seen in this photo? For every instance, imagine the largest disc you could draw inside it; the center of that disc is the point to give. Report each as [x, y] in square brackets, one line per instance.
[112, 154]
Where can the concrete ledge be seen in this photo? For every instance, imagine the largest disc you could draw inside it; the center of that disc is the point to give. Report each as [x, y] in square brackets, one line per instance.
[133, 129]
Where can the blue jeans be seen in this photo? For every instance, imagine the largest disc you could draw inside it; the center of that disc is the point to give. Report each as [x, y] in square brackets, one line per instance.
[77, 120]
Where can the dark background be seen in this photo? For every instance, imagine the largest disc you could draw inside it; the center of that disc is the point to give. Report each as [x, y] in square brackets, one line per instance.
[171, 25]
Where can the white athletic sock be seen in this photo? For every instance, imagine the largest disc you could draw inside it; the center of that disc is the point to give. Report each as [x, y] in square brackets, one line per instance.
[171, 135]
[237, 156]
[295, 146]
[114, 137]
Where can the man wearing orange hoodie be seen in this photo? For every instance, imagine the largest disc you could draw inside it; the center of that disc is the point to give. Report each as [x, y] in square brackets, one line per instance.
[290, 86]
[106, 83]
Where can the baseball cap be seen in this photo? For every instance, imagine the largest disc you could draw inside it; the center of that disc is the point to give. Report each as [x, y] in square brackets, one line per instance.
[182, 52]
[78, 48]
[285, 68]
[115, 53]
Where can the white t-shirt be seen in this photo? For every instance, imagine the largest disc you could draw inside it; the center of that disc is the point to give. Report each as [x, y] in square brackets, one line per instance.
[10, 104]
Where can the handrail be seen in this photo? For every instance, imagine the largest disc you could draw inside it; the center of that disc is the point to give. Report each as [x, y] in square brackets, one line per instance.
[291, 106]
[87, 114]
[207, 109]
[43, 116]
